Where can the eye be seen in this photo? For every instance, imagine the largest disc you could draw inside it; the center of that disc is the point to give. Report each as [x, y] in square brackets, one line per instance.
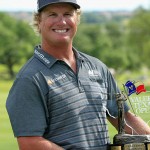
[52, 14]
[69, 14]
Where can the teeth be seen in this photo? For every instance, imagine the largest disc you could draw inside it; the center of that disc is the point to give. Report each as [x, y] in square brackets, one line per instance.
[61, 31]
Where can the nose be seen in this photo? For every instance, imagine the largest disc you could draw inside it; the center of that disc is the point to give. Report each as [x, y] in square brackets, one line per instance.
[62, 20]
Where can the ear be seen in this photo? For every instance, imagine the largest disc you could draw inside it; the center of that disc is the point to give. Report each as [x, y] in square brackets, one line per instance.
[78, 15]
[39, 22]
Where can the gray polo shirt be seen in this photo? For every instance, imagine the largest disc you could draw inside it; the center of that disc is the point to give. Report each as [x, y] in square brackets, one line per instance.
[48, 99]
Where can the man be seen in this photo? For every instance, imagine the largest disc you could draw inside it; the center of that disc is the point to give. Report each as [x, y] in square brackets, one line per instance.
[61, 97]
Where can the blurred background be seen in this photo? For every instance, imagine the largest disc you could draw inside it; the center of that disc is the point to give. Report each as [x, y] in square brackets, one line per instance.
[117, 32]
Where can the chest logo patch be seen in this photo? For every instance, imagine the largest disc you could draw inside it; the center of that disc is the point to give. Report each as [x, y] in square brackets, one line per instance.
[51, 81]
[93, 73]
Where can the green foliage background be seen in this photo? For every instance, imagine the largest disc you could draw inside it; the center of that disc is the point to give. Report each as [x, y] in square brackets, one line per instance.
[7, 141]
[121, 43]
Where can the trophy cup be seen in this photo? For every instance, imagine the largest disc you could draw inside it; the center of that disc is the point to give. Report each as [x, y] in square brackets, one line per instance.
[122, 141]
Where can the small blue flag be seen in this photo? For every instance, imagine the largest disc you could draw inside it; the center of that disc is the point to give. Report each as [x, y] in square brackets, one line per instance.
[130, 87]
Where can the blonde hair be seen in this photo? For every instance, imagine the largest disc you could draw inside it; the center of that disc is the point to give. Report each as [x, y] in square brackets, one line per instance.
[36, 20]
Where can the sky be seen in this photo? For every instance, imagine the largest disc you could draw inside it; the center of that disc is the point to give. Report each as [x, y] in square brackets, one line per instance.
[86, 5]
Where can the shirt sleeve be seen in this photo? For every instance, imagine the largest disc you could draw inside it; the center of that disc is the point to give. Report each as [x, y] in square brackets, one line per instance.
[26, 109]
[112, 108]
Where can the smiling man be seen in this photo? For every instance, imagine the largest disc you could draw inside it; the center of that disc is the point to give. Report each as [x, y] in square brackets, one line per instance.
[60, 98]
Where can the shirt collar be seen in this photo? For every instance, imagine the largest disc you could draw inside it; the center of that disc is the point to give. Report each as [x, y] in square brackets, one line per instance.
[48, 60]
[45, 58]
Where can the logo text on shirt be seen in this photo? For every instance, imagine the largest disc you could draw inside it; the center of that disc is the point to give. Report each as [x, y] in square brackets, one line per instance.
[93, 73]
[41, 56]
[51, 81]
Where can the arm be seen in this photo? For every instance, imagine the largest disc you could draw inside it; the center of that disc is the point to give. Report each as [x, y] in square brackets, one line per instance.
[114, 122]
[139, 126]
[37, 143]
[134, 124]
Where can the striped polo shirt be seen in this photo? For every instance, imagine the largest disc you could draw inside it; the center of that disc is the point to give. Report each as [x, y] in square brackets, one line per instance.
[48, 99]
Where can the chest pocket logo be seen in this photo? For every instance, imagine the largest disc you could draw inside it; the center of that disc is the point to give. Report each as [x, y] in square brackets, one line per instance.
[51, 81]
[93, 73]
[95, 76]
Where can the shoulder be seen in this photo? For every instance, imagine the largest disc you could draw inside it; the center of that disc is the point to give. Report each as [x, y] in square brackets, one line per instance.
[30, 68]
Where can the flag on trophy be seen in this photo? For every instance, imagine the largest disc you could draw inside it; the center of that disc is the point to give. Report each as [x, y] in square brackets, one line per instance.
[132, 88]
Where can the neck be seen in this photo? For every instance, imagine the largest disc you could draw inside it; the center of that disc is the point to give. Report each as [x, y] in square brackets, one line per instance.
[58, 50]
[63, 52]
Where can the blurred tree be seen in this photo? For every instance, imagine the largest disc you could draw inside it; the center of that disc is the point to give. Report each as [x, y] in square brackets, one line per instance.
[103, 42]
[115, 57]
[91, 39]
[82, 41]
[139, 36]
[16, 41]
[8, 49]
[114, 32]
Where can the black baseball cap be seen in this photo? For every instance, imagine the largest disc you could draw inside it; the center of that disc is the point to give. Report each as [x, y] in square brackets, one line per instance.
[43, 3]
